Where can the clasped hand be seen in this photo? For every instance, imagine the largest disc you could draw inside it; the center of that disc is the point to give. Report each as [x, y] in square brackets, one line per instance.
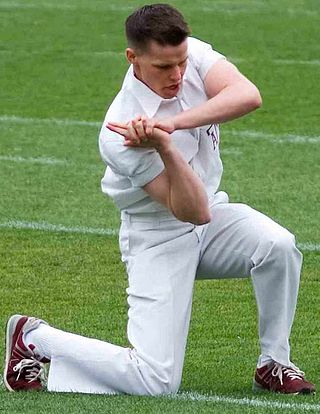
[144, 132]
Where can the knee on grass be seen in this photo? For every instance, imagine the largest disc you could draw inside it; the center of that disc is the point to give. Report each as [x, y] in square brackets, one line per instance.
[161, 383]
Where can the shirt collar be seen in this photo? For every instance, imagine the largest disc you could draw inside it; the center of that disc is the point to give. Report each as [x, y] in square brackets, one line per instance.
[149, 100]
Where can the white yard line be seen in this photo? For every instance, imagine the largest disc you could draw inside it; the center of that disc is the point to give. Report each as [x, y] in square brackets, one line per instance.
[44, 226]
[275, 138]
[53, 121]
[309, 247]
[249, 402]
[296, 62]
[246, 402]
[33, 160]
[60, 228]
[313, 62]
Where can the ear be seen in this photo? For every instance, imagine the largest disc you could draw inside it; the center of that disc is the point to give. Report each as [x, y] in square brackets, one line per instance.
[131, 55]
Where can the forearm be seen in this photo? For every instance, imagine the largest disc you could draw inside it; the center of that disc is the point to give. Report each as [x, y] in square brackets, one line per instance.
[178, 187]
[231, 103]
[186, 194]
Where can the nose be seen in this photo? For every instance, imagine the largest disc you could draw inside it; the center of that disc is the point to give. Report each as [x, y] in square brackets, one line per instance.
[176, 74]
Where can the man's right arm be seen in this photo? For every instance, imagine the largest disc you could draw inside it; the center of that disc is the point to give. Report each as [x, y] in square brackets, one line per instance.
[178, 187]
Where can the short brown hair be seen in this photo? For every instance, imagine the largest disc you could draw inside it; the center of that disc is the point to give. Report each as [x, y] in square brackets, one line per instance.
[159, 22]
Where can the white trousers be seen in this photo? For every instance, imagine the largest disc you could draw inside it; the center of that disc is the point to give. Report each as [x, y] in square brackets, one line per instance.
[163, 257]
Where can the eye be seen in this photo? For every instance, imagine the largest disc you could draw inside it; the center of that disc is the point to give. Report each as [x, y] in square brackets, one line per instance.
[182, 64]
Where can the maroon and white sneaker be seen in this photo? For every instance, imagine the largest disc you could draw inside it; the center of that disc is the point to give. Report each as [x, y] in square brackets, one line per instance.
[280, 378]
[23, 368]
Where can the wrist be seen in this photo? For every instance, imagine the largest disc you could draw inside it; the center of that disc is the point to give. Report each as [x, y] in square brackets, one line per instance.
[165, 147]
[176, 123]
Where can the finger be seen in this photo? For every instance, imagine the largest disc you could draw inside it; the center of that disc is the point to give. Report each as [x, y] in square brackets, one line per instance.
[143, 125]
[116, 124]
[148, 126]
[132, 134]
[139, 128]
[142, 144]
[118, 130]
[138, 118]
[131, 143]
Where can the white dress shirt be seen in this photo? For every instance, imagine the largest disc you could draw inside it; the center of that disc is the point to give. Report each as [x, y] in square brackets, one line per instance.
[129, 169]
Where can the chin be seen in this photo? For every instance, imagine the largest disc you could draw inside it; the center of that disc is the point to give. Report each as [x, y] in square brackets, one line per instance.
[169, 94]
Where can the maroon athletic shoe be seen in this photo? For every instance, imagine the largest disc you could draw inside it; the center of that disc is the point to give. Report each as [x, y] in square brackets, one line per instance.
[280, 378]
[23, 368]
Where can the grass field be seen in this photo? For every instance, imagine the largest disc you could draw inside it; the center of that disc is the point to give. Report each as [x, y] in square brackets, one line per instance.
[61, 63]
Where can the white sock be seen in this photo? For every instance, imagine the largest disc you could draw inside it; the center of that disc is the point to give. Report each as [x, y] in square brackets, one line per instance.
[264, 360]
[41, 339]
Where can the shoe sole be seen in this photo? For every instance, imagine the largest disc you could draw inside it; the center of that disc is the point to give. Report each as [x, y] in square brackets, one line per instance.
[256, 387]
[10, 329]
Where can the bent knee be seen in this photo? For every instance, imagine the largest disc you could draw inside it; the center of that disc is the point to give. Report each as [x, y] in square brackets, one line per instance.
[158, 387]
[160, 382]
[281, 248]
[284, 242]
[277, 247]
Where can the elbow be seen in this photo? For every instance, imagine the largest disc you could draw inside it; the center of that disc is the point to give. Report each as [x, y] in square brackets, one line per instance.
[197, 218]
[197, 211]
[203, 218]
[255, 100]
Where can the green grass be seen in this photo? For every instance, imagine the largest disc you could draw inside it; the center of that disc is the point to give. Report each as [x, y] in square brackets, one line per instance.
[61, 59]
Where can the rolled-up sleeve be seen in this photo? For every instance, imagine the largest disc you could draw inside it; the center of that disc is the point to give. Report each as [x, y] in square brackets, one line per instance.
[139, 165]
[203, 56]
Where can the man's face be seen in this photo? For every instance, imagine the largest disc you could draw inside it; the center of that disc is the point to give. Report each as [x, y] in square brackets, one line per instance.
[161, 68]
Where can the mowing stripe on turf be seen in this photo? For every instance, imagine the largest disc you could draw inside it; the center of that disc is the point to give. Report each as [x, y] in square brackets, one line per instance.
[106, 54]
[221, 7]
[32, 225]
[64, 6]
[253, 402]
[274, 138]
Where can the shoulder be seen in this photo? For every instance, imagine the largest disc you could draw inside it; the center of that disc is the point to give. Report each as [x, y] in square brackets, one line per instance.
[198, 50]
[195, 45]
[123, 107]
[202, 56]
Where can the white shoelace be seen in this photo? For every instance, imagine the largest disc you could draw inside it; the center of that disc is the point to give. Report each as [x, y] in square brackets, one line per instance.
[291, 372]
[34, 370]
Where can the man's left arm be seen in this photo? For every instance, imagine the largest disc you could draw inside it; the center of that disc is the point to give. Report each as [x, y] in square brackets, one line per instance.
[231, 95]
